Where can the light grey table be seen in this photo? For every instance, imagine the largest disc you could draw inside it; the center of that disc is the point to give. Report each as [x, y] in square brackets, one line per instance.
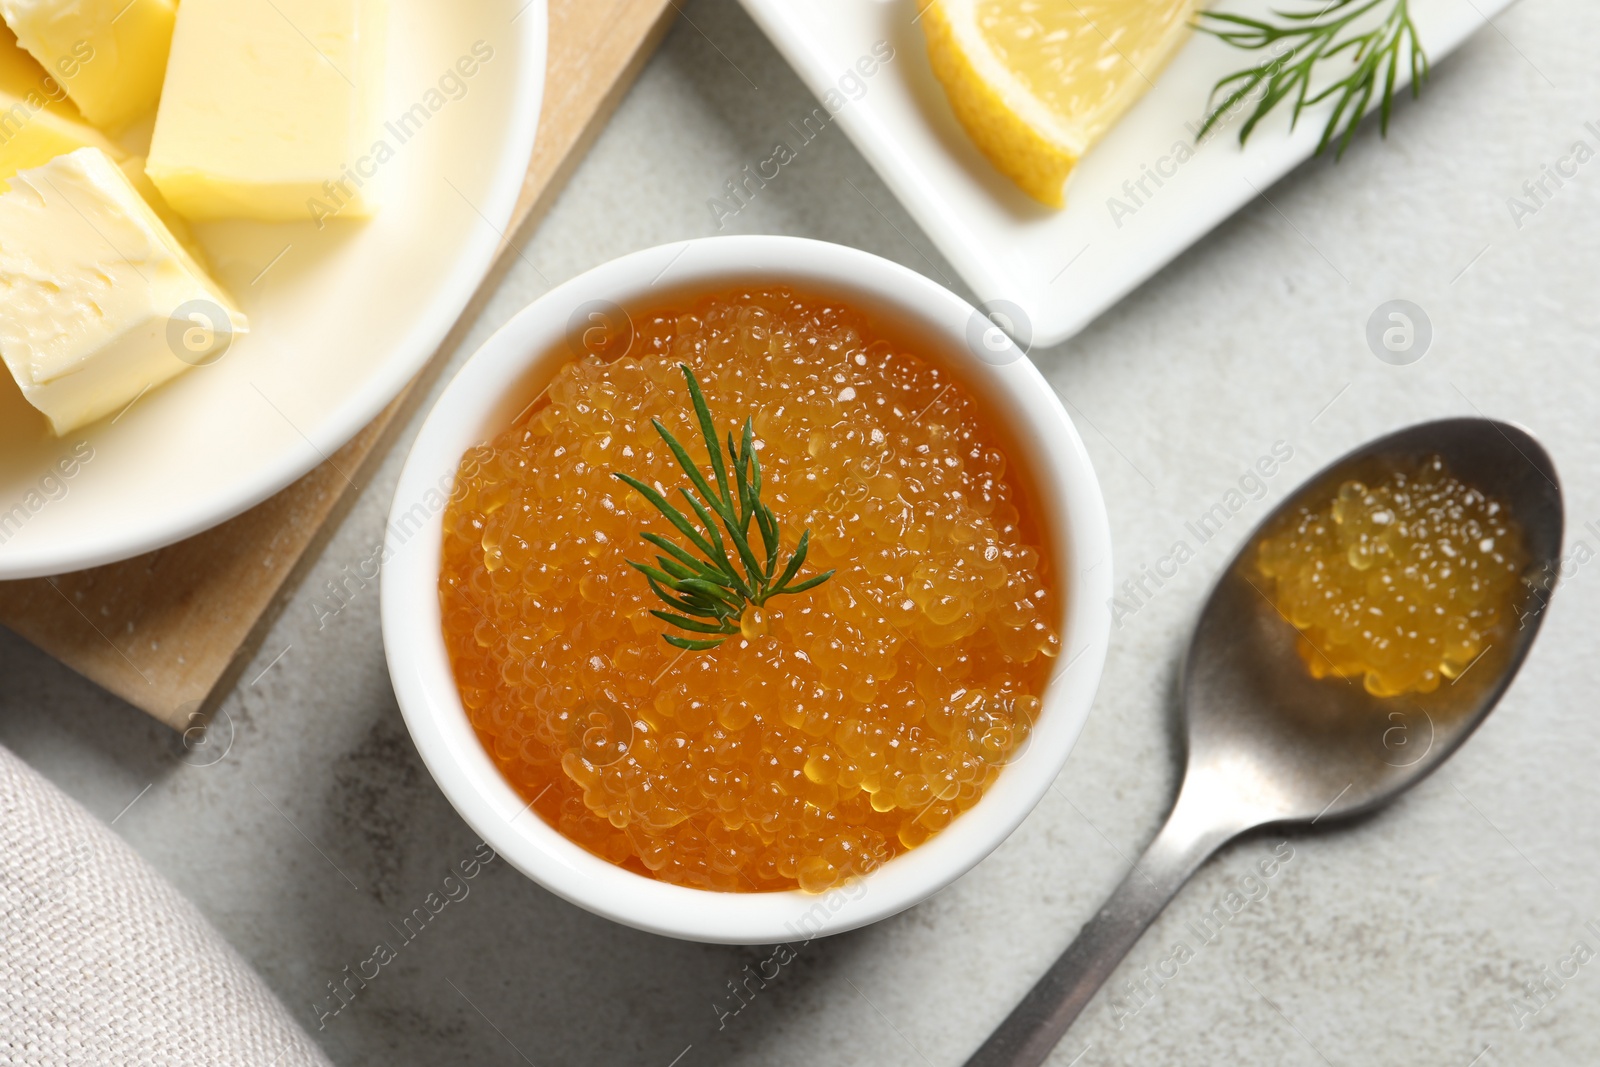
[1411, 939]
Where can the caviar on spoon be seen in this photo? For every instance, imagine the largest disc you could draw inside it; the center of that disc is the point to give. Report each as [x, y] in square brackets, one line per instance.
[1269, 743]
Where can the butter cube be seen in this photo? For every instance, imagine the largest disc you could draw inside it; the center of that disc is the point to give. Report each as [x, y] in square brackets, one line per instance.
[101, 302]
[37, 122]
[109, 55]
[267, 106]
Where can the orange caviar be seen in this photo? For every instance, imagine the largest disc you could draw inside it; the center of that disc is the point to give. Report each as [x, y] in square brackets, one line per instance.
[1403, 582]
[845, 724]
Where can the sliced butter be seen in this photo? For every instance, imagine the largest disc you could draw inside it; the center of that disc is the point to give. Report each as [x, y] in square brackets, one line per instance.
[109, 55]
[266, 106]
[37, 122]
[102, 302]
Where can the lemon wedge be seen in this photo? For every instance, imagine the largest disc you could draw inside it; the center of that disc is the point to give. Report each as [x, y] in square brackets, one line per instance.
[1037, 82]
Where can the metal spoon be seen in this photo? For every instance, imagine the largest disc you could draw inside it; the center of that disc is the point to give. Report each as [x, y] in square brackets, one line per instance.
[1269, 744]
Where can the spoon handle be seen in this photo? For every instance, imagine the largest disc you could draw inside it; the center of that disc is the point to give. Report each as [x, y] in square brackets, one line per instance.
[1192, 833]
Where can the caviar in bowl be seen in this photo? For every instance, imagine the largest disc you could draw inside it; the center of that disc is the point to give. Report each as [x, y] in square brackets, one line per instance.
[487, 621]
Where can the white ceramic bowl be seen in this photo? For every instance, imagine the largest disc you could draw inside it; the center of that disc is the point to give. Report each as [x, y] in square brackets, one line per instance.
[510, 370]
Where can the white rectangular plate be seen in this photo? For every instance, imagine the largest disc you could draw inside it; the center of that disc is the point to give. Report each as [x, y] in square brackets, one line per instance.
[1061, 268]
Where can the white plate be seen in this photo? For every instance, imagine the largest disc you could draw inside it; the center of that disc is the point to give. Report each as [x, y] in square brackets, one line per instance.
[341, 319]
[1061, 268]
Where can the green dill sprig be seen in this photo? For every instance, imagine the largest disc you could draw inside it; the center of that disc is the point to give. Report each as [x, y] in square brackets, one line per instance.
[707, 592]
[1300, 41]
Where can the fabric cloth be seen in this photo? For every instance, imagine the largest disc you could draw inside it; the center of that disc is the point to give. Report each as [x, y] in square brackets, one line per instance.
[103, 963]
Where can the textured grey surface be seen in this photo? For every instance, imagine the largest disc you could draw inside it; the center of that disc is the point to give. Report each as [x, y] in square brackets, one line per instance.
[1406, 940]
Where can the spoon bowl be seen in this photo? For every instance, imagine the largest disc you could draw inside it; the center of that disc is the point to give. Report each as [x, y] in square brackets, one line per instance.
[1297, 748]
[1270, 744]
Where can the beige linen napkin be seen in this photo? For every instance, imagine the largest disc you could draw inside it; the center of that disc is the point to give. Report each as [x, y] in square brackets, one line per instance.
[103, 963]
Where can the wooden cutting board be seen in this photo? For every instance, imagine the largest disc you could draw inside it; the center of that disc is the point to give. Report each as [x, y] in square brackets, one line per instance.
[171, 631]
